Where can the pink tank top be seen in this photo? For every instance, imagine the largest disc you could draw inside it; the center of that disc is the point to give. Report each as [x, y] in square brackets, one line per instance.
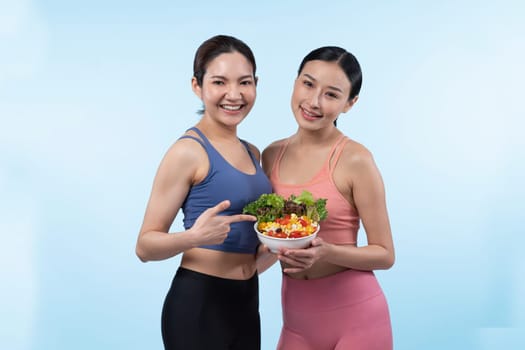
[342, 223]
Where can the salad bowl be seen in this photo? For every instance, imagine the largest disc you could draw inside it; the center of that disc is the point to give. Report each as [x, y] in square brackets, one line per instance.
[291, 222]
[276, 243]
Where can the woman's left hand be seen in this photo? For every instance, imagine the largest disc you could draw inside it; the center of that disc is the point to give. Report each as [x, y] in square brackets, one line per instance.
[298, 260]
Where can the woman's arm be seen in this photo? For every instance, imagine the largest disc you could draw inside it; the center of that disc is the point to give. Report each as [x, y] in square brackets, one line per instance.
[368, 194]
[180, 169]
[170, 187]
[264, 258]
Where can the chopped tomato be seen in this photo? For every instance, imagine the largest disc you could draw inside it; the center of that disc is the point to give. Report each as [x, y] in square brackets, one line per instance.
[296, 234]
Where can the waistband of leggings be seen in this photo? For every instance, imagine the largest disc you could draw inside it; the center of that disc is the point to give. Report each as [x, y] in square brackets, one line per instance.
[195, 275]
[344, 288]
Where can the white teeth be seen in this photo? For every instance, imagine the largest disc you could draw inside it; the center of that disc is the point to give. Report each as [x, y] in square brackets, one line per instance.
[231, 108]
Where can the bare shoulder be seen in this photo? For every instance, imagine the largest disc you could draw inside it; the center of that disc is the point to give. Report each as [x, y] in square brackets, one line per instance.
[356, 156]
[270, 154]
[272, 149]
[185, 160]
[356, 169]
[185, 150]
[255, 151]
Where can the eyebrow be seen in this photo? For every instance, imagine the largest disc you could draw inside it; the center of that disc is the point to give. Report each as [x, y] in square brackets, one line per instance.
[330, 87]
[224, 78]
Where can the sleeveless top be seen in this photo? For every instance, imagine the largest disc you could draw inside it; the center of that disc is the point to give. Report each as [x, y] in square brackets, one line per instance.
[223, 181]
[342, 222]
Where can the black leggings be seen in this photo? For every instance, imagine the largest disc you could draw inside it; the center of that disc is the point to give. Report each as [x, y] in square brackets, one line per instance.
[203, 312]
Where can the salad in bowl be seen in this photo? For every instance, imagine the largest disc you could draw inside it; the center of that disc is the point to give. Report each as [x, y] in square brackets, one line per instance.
[291, 222]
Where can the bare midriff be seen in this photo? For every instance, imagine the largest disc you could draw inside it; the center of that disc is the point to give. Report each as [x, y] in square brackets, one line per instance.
[237, 266]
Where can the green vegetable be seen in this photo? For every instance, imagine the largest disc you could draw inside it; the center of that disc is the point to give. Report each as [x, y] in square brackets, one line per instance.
[305, 198]
[267, 207]
[270, 206]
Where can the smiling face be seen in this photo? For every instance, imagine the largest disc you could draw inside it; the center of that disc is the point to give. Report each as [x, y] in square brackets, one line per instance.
[228, 89]
[320, 94]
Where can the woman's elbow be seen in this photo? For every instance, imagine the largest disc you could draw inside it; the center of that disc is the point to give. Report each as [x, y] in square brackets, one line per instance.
[389, 261]
[141, 254]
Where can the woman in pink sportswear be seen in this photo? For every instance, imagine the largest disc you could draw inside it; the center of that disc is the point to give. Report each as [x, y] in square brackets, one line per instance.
[331, 298]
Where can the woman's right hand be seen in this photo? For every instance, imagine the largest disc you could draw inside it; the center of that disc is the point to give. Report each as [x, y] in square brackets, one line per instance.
[212, 228]
[298, 260]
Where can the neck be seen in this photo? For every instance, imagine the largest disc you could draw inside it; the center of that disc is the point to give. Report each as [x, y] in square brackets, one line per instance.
[216, 131]
[317, 137]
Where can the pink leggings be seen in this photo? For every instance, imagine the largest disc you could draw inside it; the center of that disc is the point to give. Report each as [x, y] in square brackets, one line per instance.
[344, 311]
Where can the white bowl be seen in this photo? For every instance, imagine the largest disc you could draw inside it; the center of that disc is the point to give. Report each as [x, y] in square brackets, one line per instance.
[274, 243]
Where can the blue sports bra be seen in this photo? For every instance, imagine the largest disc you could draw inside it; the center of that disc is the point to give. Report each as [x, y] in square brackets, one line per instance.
[223, 181]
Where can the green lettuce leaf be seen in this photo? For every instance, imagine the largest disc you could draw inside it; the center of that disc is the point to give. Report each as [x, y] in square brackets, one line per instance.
[269, 206]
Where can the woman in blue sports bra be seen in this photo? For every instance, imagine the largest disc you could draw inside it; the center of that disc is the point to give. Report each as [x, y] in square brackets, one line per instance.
[211, 174]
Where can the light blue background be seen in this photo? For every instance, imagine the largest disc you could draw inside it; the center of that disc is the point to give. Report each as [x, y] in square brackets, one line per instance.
[92, 93]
